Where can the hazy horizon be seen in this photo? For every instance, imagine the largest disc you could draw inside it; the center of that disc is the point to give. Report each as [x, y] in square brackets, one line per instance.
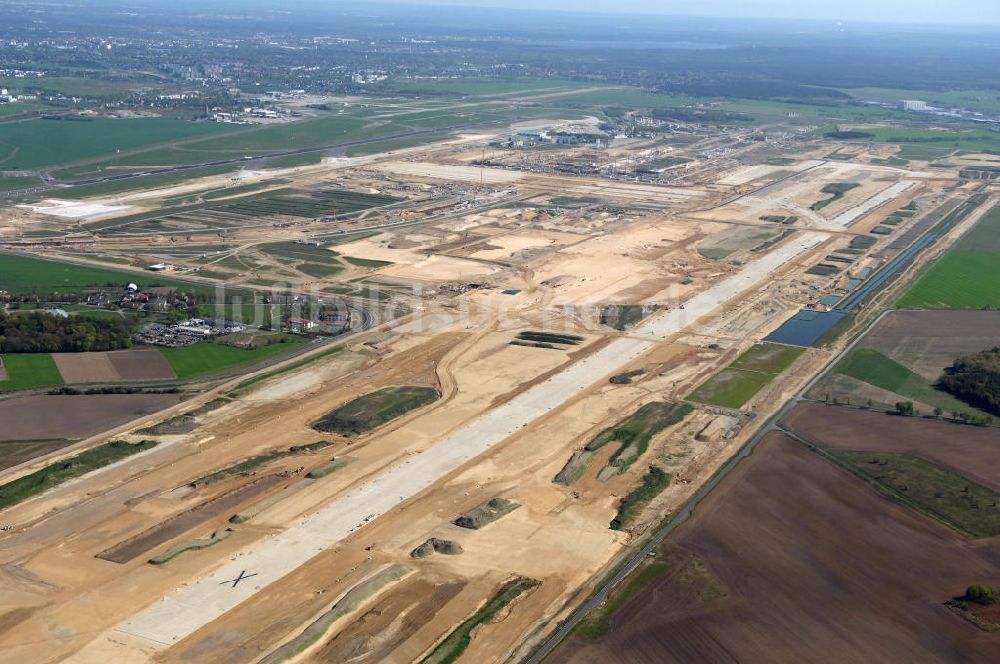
[955, 12]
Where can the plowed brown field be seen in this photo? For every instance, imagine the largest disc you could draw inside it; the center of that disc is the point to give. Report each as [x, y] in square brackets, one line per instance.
[802, 563]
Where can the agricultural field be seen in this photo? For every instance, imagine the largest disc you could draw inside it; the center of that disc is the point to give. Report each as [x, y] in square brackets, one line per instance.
[24, 275]
[902, 357]
[74, 417]
[877, 598]
[208, 358]
[41, 143]
[735, 385]
[966, 276]
[930, 144]
[25, 371]
[474, 87]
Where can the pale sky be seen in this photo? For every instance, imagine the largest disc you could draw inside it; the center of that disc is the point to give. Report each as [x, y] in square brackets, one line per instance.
[970, 12]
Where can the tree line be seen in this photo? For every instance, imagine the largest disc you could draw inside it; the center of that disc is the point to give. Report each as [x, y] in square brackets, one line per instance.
[45, 333]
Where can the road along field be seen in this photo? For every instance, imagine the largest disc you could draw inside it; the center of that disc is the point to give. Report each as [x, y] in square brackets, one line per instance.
[794, 559]
[184, 612]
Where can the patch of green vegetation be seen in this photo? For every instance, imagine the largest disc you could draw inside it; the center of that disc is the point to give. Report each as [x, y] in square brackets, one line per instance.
[961, 279]
[26, 371]
[747, 375]
[350, 602]
[320, 271]
[244, 387]
[485, 513]
[449, 650]
[59, 472]
[207, 358]
[975, 380]
[768, 358]
[598, 622]
[15, 452]
[366, 262]
[891, 161]
[823, 270]
[21, 275]
[954, 500]
[779, 219]
[328, 468]
[573, 202]
[872, 367]
[22, 182]
[42, 143]
[846, 135]
[740, 239]
[837, 191]
[653, 484]
[191, 545]
[624, 316]
[375, 409]
[436, 545]
[244, 466]
[113, 187]
[636, 431]
[175, 425]
[550, 338]
[479, 86]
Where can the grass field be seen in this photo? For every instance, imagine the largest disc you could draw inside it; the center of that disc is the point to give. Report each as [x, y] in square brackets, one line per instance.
[747, 375]
[473, 87]
[14, 109]
[67, 469]
[958, 502]
[984, 101]
[27, 371]
[146, 182]
[39, 143]
[24, 275]
[206, 358]
[872, 367]
[928, 144]
[366, 262]
[598, 622]
[964, 278]
[375, 409]
[8, 184]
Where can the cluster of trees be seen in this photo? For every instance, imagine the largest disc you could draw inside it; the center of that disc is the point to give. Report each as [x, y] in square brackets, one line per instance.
[45, 333]
[984, 595]
[975, 379]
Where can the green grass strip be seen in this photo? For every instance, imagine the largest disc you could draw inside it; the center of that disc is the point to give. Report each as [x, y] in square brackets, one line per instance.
[62, 471]
[458, 641]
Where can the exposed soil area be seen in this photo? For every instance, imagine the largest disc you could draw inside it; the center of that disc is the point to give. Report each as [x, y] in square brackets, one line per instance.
[970, 451]
[77, 416]
[794, 586]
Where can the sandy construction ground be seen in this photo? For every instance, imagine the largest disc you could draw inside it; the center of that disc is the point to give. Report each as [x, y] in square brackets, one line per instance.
[750, 173]
[75, 209]
[509, 417]
[450, 172]
[198, 604]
